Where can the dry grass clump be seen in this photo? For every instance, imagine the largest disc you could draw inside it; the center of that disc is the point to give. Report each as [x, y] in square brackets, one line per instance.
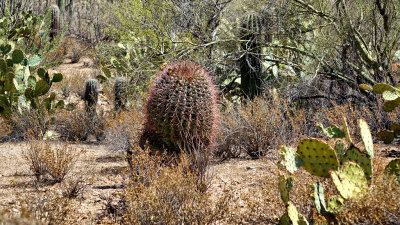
[164, 192]
[77, 126]
[258, 127]
[50, 164]
[123, 129]
[168, 195]
[73, 84]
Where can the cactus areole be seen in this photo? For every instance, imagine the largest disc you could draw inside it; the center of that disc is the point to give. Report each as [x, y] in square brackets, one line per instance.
[181, 109]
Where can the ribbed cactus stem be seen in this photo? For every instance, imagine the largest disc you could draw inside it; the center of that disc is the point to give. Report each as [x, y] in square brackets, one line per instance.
[55, 22]
[120, 93]
[91, 96]
[61, 6]
[250, 64]
[181, 109]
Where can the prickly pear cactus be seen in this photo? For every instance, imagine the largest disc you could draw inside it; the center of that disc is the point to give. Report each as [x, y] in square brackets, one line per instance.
[285, 185]
[318, 157]
[340, 149]
[362, 159]
[366, 137]
[120, 93]
[290, 160]
[393, 168]
[55, 22]
[181, 109]
[350, 181]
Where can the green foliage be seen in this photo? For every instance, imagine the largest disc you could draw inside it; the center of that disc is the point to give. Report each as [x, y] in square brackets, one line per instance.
[22, 86]
[181, 109]
[31, 33]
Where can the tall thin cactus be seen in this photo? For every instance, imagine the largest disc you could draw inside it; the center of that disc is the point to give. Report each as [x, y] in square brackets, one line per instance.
[120, 93]
[91, 97]
[61, 6]
[250, 64]
[55, 22]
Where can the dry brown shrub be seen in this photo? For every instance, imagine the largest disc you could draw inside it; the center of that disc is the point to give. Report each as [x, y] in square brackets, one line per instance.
[161, 194]
[50, 164]
[27, 124]
[76, 125]
[123, 129]
[73, 84]
[258, 127]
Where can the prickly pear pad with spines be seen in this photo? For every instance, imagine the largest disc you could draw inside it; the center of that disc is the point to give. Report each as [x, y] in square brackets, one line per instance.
[181, 107]
[290, 160]
[318, 157]
[350, 181]
[381, 87]
[340, 149]
[285, 185]
[362, 159]
[391, 105]
[366, 137]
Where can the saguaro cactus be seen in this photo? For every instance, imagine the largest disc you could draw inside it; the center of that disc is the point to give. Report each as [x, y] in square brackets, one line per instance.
[61, 6]
[250, 64]
[55, 22]
[120, 93]
[181, 109]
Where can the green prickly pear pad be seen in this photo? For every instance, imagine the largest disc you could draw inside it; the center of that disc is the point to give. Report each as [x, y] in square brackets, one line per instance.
[366, 137]
[340, 149]
[350, 181]
[393, 168]
[285, 185]
[295, 216]
[386, 135]
[290, 160]
[362, 159]
[381, 87]
[332, 132]
[318, 157]
[391, 105]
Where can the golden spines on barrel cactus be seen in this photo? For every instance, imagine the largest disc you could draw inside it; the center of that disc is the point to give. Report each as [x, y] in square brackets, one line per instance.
[181, 109]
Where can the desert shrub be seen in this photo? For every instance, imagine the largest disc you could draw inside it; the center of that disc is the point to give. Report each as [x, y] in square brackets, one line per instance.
[73, 187]
[50, 164]
[33, 123]
[123, 129]
[161, 194]
[77, 126]
[256, 128]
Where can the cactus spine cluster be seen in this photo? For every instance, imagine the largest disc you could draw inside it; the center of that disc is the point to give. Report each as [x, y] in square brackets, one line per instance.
[181, 109]
[55, 22]
[120, 93]
[250, 64]
[91, 96]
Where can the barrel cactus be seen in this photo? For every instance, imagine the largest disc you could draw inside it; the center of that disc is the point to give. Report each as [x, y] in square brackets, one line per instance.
[181, 109]
[120, 93]
[55, 22]
[91, 96]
